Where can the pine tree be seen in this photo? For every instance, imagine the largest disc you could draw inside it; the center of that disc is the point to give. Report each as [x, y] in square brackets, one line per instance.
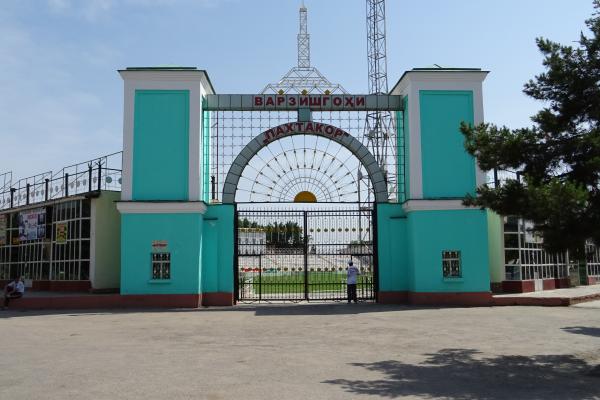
[558, 159]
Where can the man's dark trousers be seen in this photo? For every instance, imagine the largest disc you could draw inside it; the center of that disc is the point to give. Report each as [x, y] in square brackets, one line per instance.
[352, 292]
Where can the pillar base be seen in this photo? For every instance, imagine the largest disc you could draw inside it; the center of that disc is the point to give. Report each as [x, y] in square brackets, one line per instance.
[217, 299]
[438, 298]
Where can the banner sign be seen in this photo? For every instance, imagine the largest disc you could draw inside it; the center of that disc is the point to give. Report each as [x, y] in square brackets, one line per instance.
[3, 224]
[61, 232]
[291, 102]
[160, 246]
[295, 128]
[32, 224]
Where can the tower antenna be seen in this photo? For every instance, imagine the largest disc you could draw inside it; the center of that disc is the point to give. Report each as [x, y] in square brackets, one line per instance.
[379, 126]
[303, 79]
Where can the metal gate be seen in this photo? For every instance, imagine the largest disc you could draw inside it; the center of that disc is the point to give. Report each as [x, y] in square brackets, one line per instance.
[302, 255]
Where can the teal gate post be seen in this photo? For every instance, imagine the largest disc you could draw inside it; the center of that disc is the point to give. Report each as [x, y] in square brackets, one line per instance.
[167, 229]
[432, 249]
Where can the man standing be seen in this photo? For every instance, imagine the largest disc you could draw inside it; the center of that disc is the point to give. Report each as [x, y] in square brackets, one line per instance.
[13, 290]
[351, 281]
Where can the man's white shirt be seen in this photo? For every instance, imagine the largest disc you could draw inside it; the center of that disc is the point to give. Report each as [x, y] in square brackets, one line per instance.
[20, 287]
[352, 274]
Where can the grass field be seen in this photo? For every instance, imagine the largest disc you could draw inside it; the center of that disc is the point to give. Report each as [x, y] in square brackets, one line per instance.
[293, 282]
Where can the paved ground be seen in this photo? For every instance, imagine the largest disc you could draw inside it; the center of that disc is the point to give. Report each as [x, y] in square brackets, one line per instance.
[304, 352]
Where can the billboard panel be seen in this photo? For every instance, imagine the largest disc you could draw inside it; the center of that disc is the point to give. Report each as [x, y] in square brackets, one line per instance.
[3, 224]
[32, 224]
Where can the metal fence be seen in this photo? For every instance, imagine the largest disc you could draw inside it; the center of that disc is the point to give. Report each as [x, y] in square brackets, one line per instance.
[526, 258]
[102, 173]
[297, 255]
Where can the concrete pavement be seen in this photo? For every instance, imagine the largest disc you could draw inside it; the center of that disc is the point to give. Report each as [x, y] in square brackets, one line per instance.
[332, 351]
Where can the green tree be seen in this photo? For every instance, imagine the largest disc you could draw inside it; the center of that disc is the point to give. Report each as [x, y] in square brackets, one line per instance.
[287, 234]
[558, 158]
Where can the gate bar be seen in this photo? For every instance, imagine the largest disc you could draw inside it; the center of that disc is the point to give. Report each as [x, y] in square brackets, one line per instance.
[305, 255]
[236, 274]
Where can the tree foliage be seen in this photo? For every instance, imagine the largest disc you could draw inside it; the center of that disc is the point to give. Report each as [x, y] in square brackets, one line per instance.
[278, 234]
[558, 158]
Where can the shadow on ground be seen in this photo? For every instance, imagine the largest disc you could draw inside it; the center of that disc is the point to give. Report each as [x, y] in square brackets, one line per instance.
[583, 330]
[461, 374]
[263, 310]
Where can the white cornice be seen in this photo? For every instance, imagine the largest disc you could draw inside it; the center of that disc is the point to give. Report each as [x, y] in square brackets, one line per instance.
[191, 76]
[434, 205]
[156, 207]
[471, 76]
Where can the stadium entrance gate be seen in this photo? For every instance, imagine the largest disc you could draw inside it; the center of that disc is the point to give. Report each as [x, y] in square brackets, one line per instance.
[304, 189]
[302, 254]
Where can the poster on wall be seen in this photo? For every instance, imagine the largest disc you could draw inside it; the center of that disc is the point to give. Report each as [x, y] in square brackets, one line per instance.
[32, 224]
[61, 232]
[159, 246]
[2, 230]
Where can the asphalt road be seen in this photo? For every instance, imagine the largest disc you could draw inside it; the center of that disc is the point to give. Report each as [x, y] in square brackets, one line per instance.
[304, 352]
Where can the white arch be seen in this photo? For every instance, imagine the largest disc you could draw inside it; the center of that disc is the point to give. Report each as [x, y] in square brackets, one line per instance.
[305, 128]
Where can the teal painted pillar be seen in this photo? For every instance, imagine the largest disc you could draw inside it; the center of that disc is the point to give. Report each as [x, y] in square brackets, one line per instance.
[161, 204]
[217, 255]
[446, 244]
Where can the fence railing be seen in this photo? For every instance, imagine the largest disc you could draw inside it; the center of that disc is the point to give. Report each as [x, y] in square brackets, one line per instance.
[526, 258]
[102, 173]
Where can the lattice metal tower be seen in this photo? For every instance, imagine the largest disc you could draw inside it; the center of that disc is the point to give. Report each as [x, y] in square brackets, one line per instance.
[380, 125]
[303, 79]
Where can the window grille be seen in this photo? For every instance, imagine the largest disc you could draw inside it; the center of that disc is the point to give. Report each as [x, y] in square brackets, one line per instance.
[525, 256]
[161, 266]
[49, 257]
[451, 264]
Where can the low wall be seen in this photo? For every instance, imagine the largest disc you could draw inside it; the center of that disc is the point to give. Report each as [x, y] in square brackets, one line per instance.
[518, 286]
[56, 286]
[438, 299]
[98, 301]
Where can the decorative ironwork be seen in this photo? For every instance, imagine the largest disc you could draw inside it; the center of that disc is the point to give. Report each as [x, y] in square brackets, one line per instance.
[102, 173]
[5, 181]
[302, 254]
[304, 79]
[231, 131]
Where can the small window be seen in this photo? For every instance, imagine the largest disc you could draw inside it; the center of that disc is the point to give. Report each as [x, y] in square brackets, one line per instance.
[161, 266]
[451, 264]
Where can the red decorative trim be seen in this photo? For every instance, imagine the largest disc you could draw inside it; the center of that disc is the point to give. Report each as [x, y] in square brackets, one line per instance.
[496, 287]
[392, 297]
[518, 286]
[549, 284]
[109, 301]
[438, 298]
[62, 286]
[217, 299]
[105, 291]
[562, 283]
[531, 301]
[56, 286]
[452, 299]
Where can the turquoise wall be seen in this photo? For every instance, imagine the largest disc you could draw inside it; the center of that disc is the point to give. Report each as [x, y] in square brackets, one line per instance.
[160, 145]
[432, 232]
[217, 249]
[392, 248]
[183, 233]
[448, 170]
[205, 175]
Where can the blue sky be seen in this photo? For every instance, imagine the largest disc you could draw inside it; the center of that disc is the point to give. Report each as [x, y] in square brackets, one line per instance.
[61, 97]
